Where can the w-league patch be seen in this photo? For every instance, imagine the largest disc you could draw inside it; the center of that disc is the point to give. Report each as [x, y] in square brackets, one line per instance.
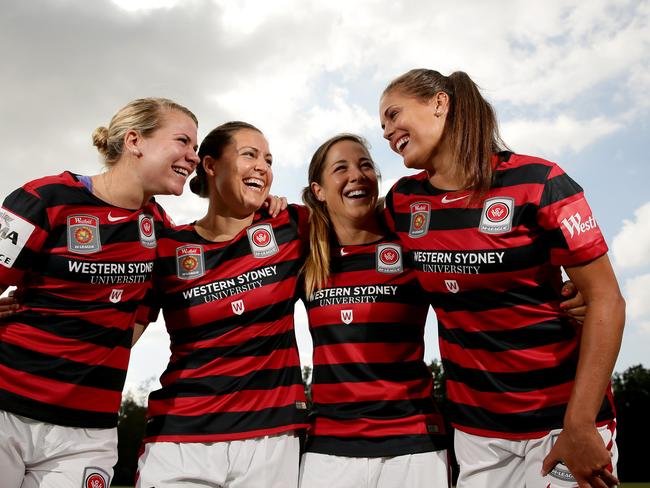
[420, 215]
[189, 262]
[147, 231]
[95, 478]
[14, 234]
[83, 234]
[389, 258]
[262, 240]
[497, 214]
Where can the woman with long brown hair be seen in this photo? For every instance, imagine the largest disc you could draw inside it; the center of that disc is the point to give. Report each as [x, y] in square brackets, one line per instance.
[489, 232]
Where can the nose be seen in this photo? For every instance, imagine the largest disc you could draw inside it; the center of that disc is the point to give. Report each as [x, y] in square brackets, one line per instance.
[261, 165]
[193, 157]
[356, 174]
[388, 131]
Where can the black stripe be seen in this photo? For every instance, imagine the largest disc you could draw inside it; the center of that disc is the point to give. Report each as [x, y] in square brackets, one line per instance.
[58, 194]
[62, 369]
[257, 346]
[482, 299]
[538, 420]
[516, 382]
[225, 422]
[220, 326]
[559, 188]
[386, 446]
[528, 174]
[58, 266]
[264, 379]
[29, 207]
[55, 414]
[77, 329]
[381, 410]
[377, 332]
[536, 335]
[363, 372]
[36, 298]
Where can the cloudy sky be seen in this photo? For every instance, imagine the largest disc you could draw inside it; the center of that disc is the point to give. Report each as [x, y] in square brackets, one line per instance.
[569, 79]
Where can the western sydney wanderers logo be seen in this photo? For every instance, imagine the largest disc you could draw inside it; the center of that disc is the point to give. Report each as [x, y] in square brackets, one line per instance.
[189, 262]
[116, 295]
[147, 232]
[389, 258]
[238, 307]
[262, 240]
[497, 214]
[83, 234]
[420, 215]
[346, 316]
[95, 478]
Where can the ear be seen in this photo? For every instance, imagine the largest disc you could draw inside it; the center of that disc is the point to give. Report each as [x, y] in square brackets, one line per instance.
[318, 191]
[439, 103]
[209, 165]
[132, 140]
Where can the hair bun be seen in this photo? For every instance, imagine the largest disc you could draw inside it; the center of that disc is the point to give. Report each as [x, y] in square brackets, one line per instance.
[100, 139]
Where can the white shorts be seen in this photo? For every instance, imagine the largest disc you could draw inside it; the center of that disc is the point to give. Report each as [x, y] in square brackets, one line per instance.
[422, 470]
[35, 453]
[269, 462]
[487, 461]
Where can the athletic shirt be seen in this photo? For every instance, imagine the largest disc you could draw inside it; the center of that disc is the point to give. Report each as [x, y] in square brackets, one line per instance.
[80, 266]
[234, 371]
[493, 271]
[372, 392]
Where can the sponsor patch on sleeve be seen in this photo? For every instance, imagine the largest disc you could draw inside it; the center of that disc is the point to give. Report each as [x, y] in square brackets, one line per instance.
[578, 225]
[14, 234]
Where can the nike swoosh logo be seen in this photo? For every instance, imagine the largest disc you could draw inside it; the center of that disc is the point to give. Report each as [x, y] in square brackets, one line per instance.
[450, 200]
[114, 219]
[343, 253]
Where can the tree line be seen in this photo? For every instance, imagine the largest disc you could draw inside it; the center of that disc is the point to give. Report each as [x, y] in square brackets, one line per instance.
[631, 396]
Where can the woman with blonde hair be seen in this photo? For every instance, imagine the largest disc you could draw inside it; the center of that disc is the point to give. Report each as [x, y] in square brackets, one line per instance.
[80, 250]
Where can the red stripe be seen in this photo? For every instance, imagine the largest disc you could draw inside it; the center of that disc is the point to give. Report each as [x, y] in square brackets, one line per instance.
[279, 359]
[367, 353]
[509, 402]
[372, 391]
[81, 352]
[519, 360]
[390, 312]
[227, 437]
[416, 424]
[57, 393]
[239, 401]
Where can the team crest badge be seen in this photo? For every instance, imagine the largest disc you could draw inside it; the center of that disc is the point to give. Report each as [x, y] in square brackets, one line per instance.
[420, 215]
[189, 262]
[83, 234]
[346, 316]
[389, 258]
[116, 295]
[497, 214]
[237, 307]
[262, 240]
[452, 286]
[147, 232]
[95, 478]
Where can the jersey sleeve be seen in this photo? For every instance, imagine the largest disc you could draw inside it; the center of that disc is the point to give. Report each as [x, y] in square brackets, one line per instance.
[389, 209]
[564, 213]
[24, 226]
[300, 214]
[149, 308]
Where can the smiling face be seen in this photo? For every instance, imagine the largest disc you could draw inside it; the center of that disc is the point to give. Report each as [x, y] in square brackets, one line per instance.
[413, 127]
[348, 183]
[242, 176]
[168, 156]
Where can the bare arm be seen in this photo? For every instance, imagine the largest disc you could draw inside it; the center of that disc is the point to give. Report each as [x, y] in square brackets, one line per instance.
[579, 446]
[138, 330]
[8, 304]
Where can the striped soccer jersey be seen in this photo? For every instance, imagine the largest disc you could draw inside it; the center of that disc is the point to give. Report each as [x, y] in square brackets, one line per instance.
[234, 371]
[81, 266]
[493, 270]
[372, 392]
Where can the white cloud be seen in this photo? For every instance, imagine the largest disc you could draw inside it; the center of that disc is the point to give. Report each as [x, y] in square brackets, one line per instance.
[631, 246]
[637, 297]
[553, 137]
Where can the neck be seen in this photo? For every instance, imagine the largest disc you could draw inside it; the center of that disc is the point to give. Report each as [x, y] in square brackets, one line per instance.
[120, 186]
[219, 224]
[443, 170]
[355, 232]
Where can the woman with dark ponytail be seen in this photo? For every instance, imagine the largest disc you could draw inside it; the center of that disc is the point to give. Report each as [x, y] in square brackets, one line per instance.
[489, 232]
[232, 402]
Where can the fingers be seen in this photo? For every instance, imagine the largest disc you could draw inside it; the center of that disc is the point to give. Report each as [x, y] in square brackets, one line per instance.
[549, 462]
[607, 478]
[275, 205]
[568, 289]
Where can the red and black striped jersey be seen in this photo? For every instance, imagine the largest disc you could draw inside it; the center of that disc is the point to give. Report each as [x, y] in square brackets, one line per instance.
[372, 392]
[81, 266]
[493, 272]
[234, 370]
